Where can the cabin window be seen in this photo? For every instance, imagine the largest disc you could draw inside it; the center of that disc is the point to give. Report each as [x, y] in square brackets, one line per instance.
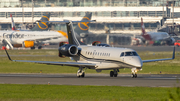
[122, 54]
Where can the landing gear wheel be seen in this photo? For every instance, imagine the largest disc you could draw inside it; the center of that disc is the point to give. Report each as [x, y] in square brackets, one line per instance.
[40, 47]
[111, 73]
[134, 75]
[83, 74]
[32, 47]
[115, 75]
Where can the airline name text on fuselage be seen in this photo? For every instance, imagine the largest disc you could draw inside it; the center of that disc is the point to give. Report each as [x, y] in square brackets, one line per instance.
[18, 36]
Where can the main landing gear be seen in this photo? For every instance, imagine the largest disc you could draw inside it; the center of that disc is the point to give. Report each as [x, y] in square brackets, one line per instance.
[114, 73]
[33, 47]
[81, 72]
[39, 47]
[134, 72]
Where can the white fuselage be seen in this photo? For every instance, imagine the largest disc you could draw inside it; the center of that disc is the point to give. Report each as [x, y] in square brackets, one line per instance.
[109, 57]
[157, 36]
[17, 37]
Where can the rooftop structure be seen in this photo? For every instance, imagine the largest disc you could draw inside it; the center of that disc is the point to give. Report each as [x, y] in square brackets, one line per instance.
[87, 3]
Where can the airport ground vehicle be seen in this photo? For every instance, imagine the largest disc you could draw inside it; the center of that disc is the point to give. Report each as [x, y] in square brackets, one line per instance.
[177, 43]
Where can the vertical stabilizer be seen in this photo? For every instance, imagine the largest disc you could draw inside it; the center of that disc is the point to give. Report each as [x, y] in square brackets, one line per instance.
[142, 27]
[71, 34]
[144, 34]
[42, 26]
[12, 23]
[82, 27]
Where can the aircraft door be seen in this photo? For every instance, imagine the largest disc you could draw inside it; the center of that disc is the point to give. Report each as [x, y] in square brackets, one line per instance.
[94, 54]
[122, 56]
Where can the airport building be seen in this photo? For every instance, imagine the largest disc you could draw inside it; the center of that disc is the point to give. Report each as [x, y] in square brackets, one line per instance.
[117, 15]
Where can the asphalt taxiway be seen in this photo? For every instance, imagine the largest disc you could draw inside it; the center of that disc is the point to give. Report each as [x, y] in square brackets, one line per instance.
[144, 80]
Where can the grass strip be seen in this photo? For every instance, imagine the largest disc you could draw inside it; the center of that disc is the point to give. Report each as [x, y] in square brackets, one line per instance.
[18, 92]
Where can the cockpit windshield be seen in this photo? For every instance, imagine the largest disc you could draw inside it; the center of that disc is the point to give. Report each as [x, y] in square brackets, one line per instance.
[128, 54]
[135, 54]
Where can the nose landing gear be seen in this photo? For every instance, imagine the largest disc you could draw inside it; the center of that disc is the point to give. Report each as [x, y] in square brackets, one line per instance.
[134, 72]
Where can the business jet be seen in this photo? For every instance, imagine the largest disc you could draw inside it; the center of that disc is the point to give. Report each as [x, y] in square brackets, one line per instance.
[156, 36]
[95, 57]
[30, 39]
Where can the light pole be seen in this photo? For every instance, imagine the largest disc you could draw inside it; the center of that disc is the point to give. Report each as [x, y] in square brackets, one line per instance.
[22, 11]
[32, 12]
[173, 16]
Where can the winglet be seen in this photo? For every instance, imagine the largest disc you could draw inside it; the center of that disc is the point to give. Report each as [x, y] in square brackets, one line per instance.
[8, 55]
[173, 57]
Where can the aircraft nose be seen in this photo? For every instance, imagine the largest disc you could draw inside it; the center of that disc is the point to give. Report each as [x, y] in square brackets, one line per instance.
[137, 62]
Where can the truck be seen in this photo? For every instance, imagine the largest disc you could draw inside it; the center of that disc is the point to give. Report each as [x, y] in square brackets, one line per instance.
[177, 43]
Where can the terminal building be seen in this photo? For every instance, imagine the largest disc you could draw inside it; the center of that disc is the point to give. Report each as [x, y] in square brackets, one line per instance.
[118, 15]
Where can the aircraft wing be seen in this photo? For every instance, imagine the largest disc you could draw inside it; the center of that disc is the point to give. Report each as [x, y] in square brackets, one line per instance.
[173, 57]
[76, 64]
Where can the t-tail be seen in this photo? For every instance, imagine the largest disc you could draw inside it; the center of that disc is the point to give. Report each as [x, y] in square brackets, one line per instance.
[83, 27]
[42, 26]
[72, 39]
[12, 23]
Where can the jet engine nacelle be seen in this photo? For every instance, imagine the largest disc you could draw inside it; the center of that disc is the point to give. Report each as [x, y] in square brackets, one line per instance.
[61, 44]
[172, 41]
[28, 44]
[68, 50]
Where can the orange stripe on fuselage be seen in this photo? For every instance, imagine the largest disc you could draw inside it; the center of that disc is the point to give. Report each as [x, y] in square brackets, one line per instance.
[63, 33]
